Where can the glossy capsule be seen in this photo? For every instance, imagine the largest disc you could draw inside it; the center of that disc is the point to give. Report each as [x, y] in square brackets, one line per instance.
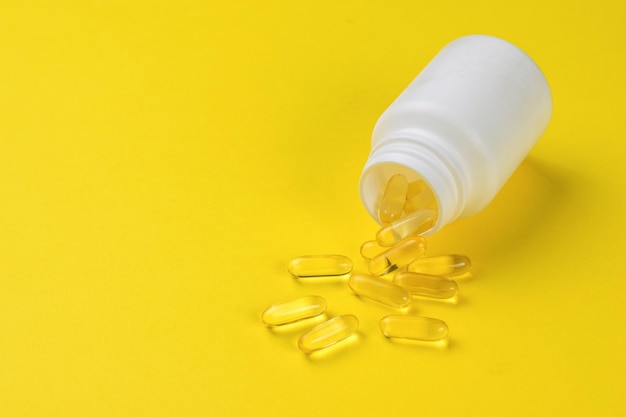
[412, 224]
[448, 265]
[319, 266]
[414, 328]
[394, 198]
[371, 248]
[379, 289]
[419, 196]
[328, 333]
[425, 285]
[415, 187]
[398, 256]
[294, 310]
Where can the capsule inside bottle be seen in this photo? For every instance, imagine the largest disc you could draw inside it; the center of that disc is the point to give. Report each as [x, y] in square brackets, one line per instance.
[448, 265]
[394, 198]
[425, 285]
[380, 290]
[320, 266]
[419, 196]
[398, 256]
[412, 224]
[294, 310]
[328, 333]
[425, 329]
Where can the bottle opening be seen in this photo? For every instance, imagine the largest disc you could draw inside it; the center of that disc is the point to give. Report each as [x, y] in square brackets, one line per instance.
[418, 195]
[420, 164]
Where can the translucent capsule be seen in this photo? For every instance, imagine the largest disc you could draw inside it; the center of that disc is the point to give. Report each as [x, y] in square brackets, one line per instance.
[419, 196]
[425, 285]
[414, 328]
[415, 187]
[294, 310]
[371, 248]
[320, 266]
[394, 197]
[328, 333]
[379, 289]
[398, 256]
[448, 265]
[412, 224]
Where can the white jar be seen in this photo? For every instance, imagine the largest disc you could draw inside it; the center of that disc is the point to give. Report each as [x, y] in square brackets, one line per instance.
[463, 126]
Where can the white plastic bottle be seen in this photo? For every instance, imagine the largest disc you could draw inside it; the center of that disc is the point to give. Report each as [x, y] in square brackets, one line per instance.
[463, 126]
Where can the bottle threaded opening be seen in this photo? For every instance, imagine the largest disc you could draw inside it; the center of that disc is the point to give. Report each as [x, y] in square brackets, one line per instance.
[417, 159]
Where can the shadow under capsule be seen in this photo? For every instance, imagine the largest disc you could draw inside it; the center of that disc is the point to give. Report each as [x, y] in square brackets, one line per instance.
[454, 300]
[437, 344]
[322, 281]
[300, 325]
[340, 348]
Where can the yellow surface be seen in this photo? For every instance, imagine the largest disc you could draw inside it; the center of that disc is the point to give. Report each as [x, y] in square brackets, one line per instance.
[162, 161]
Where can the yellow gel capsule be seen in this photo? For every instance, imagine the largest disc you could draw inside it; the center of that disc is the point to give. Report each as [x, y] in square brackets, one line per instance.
[319, 266]
[394, 197]
[448, 265]
[402, 254]
[410, 225]
[425, 285]
[379, 289]
[414, 328]
[415, 187]
[419, 196]
[371, 248]
[294, 310]
[328, 333]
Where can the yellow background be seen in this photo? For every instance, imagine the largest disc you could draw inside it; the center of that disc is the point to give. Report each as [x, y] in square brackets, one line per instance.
[161, 162]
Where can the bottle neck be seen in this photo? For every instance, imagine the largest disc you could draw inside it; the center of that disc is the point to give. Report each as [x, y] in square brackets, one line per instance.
[417, 156]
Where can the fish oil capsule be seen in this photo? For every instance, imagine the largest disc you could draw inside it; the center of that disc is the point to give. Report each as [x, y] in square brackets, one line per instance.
[412, 224]
[320, 266]
[379, 289]
[397, 256]
[328, 333]
[394, 197]
[371, 248]
[419, 196]
[294, 310]
[425, 285]
[414, 188]
[448, 265]
[414, 328]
